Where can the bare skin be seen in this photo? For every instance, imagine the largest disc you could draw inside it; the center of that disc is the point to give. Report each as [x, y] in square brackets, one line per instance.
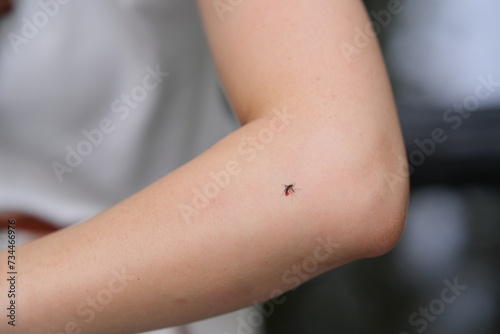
[339, 141]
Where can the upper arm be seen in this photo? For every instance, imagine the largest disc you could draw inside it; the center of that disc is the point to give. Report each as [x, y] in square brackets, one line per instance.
[270, 53]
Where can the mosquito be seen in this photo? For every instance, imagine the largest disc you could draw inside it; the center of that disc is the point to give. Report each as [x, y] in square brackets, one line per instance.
[289, 189]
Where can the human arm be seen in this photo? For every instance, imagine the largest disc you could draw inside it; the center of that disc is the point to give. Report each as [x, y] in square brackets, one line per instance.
[341, 137]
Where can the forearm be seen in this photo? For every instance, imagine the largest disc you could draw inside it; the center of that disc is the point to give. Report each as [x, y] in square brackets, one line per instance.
[181, 265]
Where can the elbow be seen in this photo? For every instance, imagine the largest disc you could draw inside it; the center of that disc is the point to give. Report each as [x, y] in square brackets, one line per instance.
[386, 207]
[387, 221]
[367, 198]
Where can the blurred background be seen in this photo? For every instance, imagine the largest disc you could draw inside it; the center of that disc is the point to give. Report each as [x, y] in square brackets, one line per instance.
[440, 55]
[443, 60]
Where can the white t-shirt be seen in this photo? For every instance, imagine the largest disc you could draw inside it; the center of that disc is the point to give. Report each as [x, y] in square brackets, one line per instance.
[98, 99]
[102, 65]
